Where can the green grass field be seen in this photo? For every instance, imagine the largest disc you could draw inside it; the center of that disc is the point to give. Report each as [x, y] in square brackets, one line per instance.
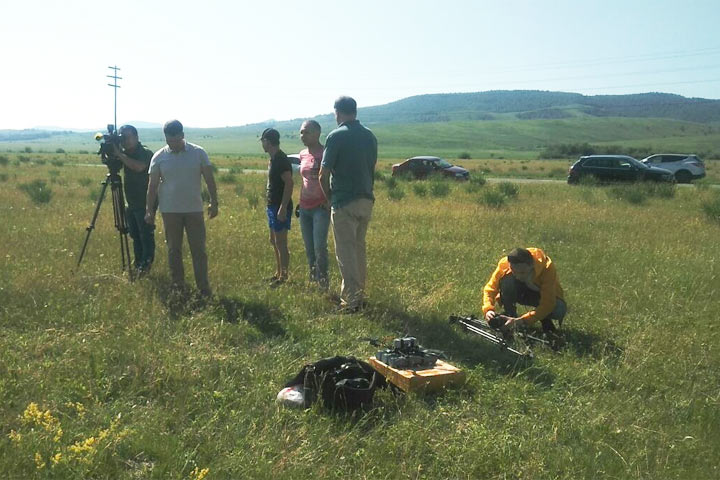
[512, 139]
[100, 378]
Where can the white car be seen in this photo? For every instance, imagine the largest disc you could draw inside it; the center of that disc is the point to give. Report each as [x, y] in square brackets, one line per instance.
[685, 167]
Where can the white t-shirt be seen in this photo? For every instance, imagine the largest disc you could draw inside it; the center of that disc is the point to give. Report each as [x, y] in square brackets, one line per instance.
[180, 173]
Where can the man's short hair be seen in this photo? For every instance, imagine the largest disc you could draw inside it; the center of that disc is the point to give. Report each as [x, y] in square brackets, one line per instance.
[520, 255]
[272, 136]
[346, 105]
[173, 128]
[313, 125]
[128, 128]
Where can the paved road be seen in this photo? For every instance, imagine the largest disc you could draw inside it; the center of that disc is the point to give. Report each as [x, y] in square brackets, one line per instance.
[489, 179]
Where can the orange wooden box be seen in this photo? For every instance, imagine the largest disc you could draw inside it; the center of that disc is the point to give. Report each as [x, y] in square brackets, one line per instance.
[430, 380]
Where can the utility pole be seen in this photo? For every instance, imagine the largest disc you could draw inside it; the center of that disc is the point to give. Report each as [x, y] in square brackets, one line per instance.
[115, 86]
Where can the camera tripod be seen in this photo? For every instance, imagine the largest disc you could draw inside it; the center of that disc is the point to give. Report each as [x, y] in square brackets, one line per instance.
[118, 201]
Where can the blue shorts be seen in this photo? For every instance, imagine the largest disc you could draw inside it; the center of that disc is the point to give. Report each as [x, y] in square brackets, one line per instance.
[273, 223]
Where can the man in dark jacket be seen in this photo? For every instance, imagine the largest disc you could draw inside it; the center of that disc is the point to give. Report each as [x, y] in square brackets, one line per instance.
[136, 161]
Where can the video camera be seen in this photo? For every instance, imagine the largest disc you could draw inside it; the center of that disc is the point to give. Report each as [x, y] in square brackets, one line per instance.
[406, 353]
[107, 150]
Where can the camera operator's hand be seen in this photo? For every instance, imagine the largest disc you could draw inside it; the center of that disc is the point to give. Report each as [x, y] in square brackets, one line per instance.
[212, 210]
[150, 217]
[490, 315]
[514, 321]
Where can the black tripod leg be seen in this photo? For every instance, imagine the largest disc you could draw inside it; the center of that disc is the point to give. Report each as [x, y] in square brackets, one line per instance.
[121, 225]
[91, 227]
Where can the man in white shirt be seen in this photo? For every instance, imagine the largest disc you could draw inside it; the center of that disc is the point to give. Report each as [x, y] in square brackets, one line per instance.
[175, 172]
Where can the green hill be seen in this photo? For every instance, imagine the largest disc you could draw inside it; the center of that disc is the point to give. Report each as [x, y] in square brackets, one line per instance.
[512, 123]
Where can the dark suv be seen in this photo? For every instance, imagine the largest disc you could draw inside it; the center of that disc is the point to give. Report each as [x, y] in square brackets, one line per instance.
[616, 168]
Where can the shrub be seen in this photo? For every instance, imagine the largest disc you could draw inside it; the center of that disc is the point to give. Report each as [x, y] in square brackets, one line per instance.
[236, 170]
[555, 172]
[53, 173]
[84, 182]
[4, 160]
[239, 189]
[379, 176]
[40, 161]
[493, 198]
[396, 194]
[588, 181]
[478, 179]
[83, 152]
[38, 191]
[420, 189]
[59, 150]
[57, 162]
[711, 208]
[508, 189]
[253, 199]
[3, 177]
[475, 183]
[23, 158]
[660, 190]
[628, 193]
[439, 188]
[391, 183]
[227, 178]
[464, 156]
[28, 150]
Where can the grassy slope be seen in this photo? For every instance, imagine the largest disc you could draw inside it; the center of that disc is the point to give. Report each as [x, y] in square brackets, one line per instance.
[166, 390]
[510, 138]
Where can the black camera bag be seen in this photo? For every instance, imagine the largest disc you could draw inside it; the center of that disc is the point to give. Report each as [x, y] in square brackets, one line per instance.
[343, 383]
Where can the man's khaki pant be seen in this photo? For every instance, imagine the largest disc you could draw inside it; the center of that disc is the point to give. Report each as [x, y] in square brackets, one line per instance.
[350, 224]
[194, 224]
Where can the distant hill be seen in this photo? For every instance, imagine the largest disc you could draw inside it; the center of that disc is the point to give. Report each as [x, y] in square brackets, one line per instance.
[532, 104]
[480, 124]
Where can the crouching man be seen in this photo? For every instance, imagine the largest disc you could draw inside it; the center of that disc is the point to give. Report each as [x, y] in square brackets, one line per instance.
[527, 277]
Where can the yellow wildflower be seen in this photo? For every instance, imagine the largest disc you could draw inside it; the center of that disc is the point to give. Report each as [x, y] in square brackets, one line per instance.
[198, 474]
[57, 458]
[15, 436]
[39, 463]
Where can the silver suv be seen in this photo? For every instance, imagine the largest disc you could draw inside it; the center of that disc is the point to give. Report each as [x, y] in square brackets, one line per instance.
[685, 167]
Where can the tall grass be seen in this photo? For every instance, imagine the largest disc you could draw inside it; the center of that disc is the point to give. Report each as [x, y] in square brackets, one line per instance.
[101, 378]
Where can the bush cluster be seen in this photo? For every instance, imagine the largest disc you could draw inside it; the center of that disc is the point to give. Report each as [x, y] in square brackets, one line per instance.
[439, 188]
[499, 195]
[573, 150]
[37, 190]
[711, 207]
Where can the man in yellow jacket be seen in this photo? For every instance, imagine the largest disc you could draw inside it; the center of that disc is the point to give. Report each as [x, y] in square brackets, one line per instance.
[527, 277]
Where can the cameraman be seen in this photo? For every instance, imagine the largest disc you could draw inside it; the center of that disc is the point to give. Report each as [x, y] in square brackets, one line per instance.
[136, 161]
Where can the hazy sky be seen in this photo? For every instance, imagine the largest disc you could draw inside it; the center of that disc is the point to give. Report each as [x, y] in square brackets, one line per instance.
[220, 63]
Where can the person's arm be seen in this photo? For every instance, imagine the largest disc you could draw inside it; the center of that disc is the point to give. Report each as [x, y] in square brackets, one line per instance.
[207, 173]
[151, 199]
[324, 177]
[287, 195]
[131, 163]
[329, 159]
[548, 296]
[490, 292]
